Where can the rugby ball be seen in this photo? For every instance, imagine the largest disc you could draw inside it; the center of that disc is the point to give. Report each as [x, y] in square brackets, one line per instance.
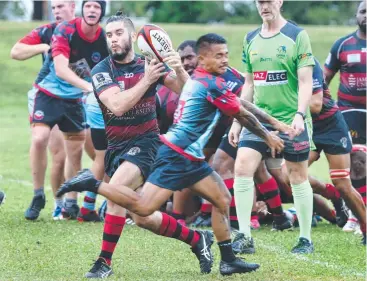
[153, 42]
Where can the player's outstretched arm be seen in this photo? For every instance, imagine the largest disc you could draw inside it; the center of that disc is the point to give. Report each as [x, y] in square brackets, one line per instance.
[22, 51]
[248, 120]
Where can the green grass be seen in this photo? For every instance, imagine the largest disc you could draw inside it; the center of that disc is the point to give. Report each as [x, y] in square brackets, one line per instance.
[47, 250]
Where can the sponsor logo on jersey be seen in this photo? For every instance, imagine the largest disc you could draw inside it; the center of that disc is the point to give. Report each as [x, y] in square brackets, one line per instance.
[231, 85]
[282, 52]
[304, 56]
[316, 84]
[81, 68]
[270, 78]
[101, 79]
[96, 57]
[253, 53]
[353, 58]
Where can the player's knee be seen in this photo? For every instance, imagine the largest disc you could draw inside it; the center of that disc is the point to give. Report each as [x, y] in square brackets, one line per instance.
[297, 176]
[40, 141]
[243, 166]
[142, 222]
[341, 180]
[142, 210]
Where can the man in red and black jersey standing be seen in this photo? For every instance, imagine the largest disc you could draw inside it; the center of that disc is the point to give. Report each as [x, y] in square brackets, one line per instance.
[348, 55]
[37, 42]
[77, 46]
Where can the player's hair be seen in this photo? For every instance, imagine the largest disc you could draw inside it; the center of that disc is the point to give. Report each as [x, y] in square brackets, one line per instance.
[184, 44]
[359, 4]
[208, 39]
[120, 17]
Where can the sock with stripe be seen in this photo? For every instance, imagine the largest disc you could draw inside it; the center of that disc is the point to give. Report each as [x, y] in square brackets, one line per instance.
[244, 194]
[270, 191]
[112, 230]
[254, 216]
[171, 228]
[178, 215]
[303, 202]
[89, 203]
[232, 208]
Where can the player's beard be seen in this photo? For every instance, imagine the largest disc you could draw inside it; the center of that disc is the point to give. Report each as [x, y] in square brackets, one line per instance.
[362, 27]
[120, 56]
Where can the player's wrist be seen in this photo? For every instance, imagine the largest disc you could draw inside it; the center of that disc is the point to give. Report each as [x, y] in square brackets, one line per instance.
[301, 114]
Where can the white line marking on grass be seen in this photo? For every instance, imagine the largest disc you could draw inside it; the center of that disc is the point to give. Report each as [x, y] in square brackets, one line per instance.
[287, 256]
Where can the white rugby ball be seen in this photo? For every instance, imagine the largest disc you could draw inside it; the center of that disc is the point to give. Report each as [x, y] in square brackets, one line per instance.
[153, 42]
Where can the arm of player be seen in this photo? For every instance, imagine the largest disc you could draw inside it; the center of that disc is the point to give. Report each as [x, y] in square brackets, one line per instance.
[30, 45]
[332, 63]
[64, 72]
[304, 88]
[175, 81]
[262, 116]
[119, 102]
[22, 51]
[249, 121]
[229, 104]
[316, 102]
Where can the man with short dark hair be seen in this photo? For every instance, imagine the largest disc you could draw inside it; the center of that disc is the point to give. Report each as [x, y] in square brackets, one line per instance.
[180, 162]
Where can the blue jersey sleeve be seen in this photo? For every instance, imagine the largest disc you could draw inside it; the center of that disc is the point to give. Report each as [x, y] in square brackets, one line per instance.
[318, 79]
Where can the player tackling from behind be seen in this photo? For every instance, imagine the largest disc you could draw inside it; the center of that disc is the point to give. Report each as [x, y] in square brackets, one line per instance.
[179, 163]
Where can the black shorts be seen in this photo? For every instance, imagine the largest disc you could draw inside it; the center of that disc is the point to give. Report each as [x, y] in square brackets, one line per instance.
[356, 122]
[99, 139]
[227, 147]
[296, 150]
[174, 171]
[69, 115]
[216, 138]
[140, 151]
[332, 136]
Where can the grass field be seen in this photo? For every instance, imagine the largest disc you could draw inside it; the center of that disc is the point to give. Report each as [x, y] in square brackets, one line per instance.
[47, 250]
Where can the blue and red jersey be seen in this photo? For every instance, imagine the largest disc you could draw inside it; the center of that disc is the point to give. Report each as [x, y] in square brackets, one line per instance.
[348, 55]
[40, 35]
[167, 101]
[141, 118]
[83, 54]
[204, 99]
[329, 107]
